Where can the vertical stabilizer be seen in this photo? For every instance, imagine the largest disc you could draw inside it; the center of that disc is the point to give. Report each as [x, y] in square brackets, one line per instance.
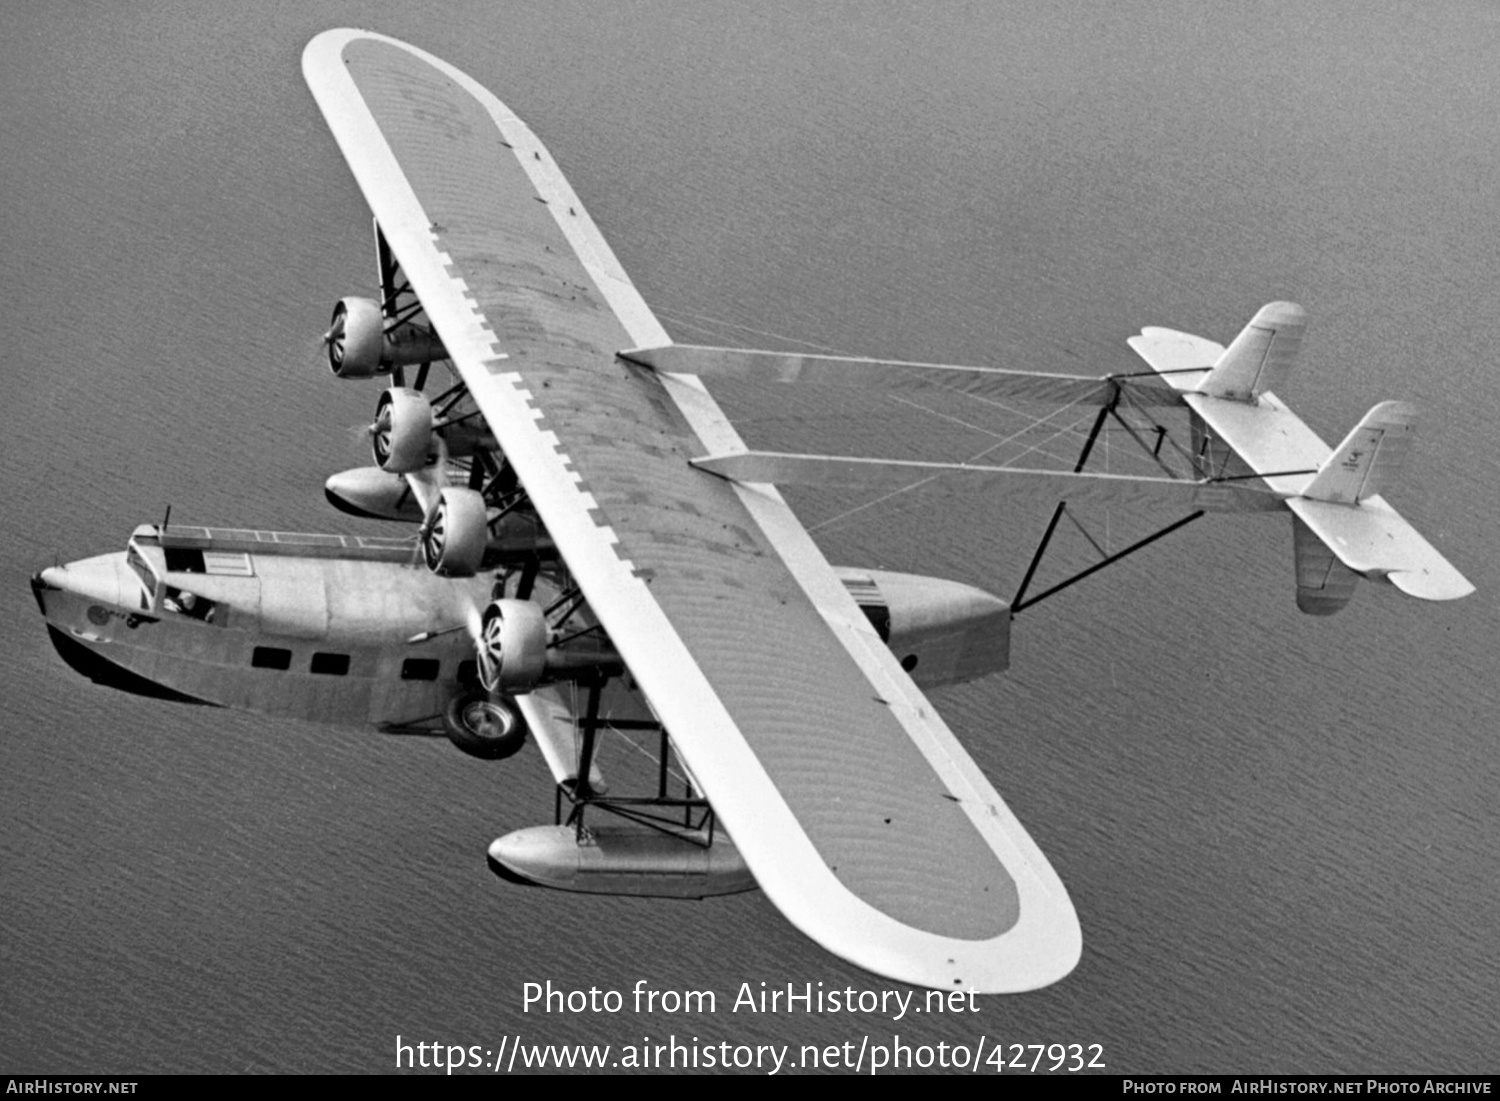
[1369, 458]
[1324, 584]
[1261, 356]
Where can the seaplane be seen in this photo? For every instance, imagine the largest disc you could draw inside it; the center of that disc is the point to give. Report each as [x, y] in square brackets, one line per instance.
[596, 553]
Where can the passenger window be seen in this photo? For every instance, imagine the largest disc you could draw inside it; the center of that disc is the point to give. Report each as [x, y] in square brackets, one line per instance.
[271, 657]
[333, 665]
[419, 669]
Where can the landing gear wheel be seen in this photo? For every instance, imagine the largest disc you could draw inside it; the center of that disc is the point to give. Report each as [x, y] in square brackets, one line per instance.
[490, 729]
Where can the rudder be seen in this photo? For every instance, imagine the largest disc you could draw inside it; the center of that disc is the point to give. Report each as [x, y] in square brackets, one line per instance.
[1324, 584]
[1369, 458]
[1261, 357]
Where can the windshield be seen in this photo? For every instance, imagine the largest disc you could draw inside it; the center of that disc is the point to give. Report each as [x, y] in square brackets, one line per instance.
[142, 569]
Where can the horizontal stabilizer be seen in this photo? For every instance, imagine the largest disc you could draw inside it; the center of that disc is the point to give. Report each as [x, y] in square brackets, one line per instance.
[1261, 357]
[1369, 458]
[1182, 359]
[891, 474]
[985, 382]
[1373, 540]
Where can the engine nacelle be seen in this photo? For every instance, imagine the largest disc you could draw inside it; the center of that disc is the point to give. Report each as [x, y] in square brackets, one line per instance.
[360, 345]
[376, 494]
[454, 535]
[465, 435]
[401, 437]
[373, 494]
[512, 646]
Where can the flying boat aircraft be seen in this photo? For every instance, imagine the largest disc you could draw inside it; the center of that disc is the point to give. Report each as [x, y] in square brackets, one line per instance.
[598, 553]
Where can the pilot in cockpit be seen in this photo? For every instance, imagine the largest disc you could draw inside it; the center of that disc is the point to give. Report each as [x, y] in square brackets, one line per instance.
[189, 604]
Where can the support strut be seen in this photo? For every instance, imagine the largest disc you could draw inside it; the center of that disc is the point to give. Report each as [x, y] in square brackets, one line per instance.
[385, 260]
[1105, 410]
[581, 787]
[1020, 605]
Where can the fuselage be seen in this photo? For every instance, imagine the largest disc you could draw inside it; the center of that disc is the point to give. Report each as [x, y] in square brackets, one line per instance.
[306, 626]
[351, 631]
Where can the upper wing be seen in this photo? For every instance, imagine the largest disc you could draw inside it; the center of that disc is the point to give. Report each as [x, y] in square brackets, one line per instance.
[860, 814]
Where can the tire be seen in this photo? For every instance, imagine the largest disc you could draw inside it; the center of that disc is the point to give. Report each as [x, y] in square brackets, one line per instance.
[490, 729]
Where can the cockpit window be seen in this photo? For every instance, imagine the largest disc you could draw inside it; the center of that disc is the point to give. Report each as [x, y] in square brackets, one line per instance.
[142, 569]
[189, 604]
[184, 560]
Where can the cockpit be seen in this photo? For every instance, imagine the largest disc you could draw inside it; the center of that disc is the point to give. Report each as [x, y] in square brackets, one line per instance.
[148, 562]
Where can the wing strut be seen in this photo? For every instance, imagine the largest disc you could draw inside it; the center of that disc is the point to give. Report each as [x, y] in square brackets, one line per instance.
[393, 312]
[390, 291]
[1019, 603]
[581, 788]
[648, 810]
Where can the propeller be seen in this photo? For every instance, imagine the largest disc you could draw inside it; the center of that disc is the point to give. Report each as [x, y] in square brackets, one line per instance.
[380, 434]
[485, 630]
[333, 339]
[453, 537]
[433, 534]
[489, 647]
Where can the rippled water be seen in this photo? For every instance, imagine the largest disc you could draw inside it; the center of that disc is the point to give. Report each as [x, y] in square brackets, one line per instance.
[1280, 833]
